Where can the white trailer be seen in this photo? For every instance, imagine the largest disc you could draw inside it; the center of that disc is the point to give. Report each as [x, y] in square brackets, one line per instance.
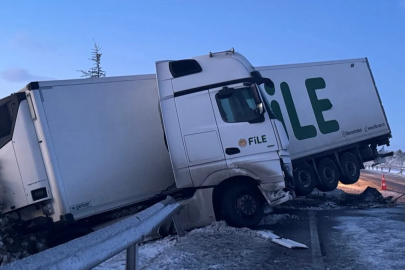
[87, 145]
[334, 118]
[73, 149]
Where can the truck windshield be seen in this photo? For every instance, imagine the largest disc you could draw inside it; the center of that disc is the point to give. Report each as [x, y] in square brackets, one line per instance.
[237, 106]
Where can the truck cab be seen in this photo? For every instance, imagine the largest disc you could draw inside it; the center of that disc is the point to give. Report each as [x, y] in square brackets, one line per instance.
[223, 138]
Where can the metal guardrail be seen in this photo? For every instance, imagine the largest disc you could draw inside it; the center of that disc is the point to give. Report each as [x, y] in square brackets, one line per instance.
[93, 249]
[382, 167]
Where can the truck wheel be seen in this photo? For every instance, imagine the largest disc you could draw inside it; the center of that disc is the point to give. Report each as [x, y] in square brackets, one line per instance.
[242, 206]
[304, 179]
[351, 169]
[329, 175]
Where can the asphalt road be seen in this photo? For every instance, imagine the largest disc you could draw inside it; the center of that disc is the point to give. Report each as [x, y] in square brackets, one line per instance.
[342, 239]
[394, 182]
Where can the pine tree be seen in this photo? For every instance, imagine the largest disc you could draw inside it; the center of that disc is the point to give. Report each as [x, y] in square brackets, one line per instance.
[96, 71]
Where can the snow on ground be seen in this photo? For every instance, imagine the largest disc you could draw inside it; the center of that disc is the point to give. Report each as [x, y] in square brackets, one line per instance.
[316, 201]
[319, 206]
[375, 240]
[146, 252]
[276, 218]
[217, 246]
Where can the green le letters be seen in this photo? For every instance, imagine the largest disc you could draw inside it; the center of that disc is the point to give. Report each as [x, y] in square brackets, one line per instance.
[318, 106]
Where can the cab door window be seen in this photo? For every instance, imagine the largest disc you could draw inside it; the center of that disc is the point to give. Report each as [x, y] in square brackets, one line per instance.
[237, 105]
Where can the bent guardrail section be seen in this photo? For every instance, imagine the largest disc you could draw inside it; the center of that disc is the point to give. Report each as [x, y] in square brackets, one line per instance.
[91, 250]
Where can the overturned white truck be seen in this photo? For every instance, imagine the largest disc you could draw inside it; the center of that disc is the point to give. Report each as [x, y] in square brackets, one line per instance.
[72, 149]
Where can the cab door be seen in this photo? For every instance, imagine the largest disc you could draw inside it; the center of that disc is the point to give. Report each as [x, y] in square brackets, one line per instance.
[200, 137]
[246, 136]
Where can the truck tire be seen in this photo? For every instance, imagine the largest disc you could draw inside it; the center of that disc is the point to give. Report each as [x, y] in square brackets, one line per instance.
[350, 168]
[304, 179]
[242, 206]
[329, 175]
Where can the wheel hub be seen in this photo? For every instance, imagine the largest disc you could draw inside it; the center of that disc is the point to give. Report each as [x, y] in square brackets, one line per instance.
[246, 204]
[305, 178]
[351, 168]
[329, 175]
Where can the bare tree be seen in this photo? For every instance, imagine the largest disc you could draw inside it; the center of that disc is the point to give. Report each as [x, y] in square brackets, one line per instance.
[96, 71]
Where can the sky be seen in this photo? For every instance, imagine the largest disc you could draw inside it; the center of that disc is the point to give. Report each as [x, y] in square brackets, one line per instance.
[44, 40]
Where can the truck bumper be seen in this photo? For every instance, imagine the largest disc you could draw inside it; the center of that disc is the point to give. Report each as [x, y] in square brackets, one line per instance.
[282, 191]
[276, 197]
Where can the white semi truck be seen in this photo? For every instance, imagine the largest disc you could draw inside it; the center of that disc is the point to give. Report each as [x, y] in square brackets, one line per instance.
[197, 130]
[334, 118]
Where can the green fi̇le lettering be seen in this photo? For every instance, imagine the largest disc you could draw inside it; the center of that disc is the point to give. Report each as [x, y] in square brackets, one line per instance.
[320, 105]
[300, 132]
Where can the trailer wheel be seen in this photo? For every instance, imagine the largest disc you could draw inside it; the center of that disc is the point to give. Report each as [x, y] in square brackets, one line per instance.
[351, 169]
[329, 175]
[304, 178]
[242, 206]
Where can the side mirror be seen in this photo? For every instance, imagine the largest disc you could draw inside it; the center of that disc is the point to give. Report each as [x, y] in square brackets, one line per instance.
[260, 108]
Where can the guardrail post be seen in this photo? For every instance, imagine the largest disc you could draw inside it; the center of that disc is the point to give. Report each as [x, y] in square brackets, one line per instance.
[178, 226]
[132, 257]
